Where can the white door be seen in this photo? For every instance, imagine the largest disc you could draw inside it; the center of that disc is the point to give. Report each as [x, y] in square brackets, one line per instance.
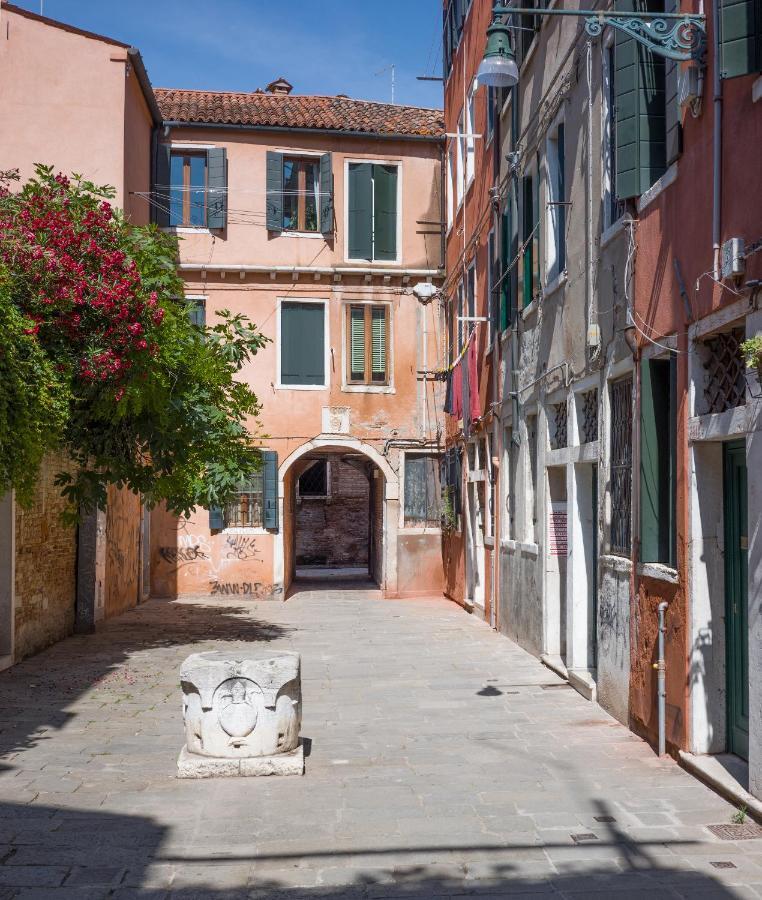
[475, 564]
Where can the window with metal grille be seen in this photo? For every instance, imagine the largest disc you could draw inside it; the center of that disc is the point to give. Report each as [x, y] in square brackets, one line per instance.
[559, 437]
[246, 510]
[368, 343]
[588, 416]
[725, 371]
[313, 482]
[621, 466]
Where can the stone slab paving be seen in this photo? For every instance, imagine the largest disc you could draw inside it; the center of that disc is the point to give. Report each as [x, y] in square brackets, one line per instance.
[443, 761]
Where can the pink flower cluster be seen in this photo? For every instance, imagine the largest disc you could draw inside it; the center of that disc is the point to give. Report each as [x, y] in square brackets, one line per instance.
[76, 283]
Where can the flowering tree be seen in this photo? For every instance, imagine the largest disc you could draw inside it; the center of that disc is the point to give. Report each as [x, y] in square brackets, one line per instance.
[98, 356]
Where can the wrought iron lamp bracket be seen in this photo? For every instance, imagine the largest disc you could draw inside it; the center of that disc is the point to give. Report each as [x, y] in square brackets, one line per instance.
[678, 36]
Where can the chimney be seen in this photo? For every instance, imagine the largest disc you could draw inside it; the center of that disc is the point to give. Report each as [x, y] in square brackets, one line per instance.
[279, 86]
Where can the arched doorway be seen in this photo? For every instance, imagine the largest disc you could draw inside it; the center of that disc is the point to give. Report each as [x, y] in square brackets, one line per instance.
[339, 508]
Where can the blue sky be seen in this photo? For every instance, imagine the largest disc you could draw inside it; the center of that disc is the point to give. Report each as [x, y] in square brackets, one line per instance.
[320, 46]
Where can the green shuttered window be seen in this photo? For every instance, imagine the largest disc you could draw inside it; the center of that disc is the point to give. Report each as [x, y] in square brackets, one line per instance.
[741, 37]
[302, 343]
[368, 343]
[255, 504]
[299, 193]
[640, 91]
[372, 206]
[658, 460]
[190, 188]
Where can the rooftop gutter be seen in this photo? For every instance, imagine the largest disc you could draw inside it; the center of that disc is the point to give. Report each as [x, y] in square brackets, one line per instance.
[136, 60]
[176, 123]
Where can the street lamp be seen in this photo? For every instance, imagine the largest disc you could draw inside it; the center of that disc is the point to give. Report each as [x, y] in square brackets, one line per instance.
[498, 68]
[678, 36]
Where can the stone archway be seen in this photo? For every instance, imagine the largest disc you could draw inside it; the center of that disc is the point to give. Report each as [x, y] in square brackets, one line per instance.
[284, 564]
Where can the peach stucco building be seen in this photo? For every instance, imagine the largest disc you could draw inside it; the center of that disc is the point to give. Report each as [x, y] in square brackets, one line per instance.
[82, 103]
[316, 217]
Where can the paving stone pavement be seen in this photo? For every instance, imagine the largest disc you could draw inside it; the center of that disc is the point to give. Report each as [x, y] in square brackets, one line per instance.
[444, 761]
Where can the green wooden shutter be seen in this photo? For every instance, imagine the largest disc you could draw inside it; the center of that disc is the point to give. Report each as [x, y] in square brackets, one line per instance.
[326, 194]
[639, 94]
[357, 343]
[217, 188]
[378, 343]
[360, 237]
[384, 212]
[197, 312]
[274, 204]
[216, 518]
[740, 37]
[302, 337]
[505, 261]
[161, 187]
[657, 461]
[270, 487]
[673, 126]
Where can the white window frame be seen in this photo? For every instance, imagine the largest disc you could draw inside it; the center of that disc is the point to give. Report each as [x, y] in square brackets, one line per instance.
[348, 387]
[416, 529]
[377, 263]
[451, 187]
[460, 180]
[470, 140]
[327, 349]
[553, 235]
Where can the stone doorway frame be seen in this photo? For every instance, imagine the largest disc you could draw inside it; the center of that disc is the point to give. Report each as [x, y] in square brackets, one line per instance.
[328, 443]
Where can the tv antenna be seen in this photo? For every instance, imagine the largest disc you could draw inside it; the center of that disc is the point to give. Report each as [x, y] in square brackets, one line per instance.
[387, 69]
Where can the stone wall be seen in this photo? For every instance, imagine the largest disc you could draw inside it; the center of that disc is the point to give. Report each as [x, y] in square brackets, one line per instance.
[335, 530]
[46, 553]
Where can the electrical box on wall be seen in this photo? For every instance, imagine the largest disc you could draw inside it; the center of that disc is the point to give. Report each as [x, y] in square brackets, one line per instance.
[733, 259]
[593, 335]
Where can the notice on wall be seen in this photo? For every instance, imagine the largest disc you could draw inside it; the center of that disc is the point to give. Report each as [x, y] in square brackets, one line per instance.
[557, 530]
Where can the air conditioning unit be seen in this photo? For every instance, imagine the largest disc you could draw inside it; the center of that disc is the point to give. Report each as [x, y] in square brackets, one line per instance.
[733, 258]
[689, 85]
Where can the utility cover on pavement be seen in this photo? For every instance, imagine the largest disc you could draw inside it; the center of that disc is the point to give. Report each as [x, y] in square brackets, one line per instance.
[745, 831]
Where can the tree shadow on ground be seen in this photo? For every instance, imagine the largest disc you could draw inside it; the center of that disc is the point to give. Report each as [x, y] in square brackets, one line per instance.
[35, 693]
[52, 852]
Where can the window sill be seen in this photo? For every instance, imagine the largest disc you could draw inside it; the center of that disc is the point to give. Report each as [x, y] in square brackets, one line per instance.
[301, 387]
[658, 187]
[302, 234]
[368, 389]
[756, 90]
[525, 547]
[555, 285]
[489, 543]
[612, 232]
[376, 263]
[420, 529]
[620, 564]
[186, 229]
[244, 529]
[530, 309]
[658, 571]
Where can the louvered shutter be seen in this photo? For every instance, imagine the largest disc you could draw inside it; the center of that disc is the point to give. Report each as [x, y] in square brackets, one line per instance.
[673, 127]
[326, 194]
[216, 188]
[360, 235]
[384, 212]
[657, 460]
[357, 343]
[378, 343]
[270, 488]
[161, 187]
[216, 518]
[639, 94]
[505, 261]
[302, 337]
[197, 312]
[740, 37]
[274, 202]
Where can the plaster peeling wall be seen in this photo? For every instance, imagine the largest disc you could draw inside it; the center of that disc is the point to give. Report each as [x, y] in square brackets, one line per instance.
[613, 678]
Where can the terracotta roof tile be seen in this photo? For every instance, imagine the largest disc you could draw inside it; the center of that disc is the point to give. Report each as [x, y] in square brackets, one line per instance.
[298, 111]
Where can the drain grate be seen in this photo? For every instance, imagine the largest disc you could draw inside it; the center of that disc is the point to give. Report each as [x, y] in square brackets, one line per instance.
[584, 837]
[723, 864]
[744, 831]
[555, 686]
[604, 818]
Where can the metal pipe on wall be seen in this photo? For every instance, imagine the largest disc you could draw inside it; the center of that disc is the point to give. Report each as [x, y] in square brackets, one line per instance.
[661, 679]
[716, 142]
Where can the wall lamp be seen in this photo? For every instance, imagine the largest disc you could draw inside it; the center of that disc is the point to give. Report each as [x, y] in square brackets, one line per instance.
[678, 36]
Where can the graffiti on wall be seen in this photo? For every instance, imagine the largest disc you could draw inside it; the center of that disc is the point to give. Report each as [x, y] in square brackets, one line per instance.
[258, 589]
[242, 547]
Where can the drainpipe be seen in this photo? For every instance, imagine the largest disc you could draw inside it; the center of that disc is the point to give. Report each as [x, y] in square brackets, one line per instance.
[661, 669]
[716, 142]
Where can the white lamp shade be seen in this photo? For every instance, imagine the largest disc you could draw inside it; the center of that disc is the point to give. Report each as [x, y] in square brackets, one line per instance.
[498, 72]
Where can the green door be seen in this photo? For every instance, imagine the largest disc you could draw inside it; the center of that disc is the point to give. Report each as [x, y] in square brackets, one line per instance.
[736, 604]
